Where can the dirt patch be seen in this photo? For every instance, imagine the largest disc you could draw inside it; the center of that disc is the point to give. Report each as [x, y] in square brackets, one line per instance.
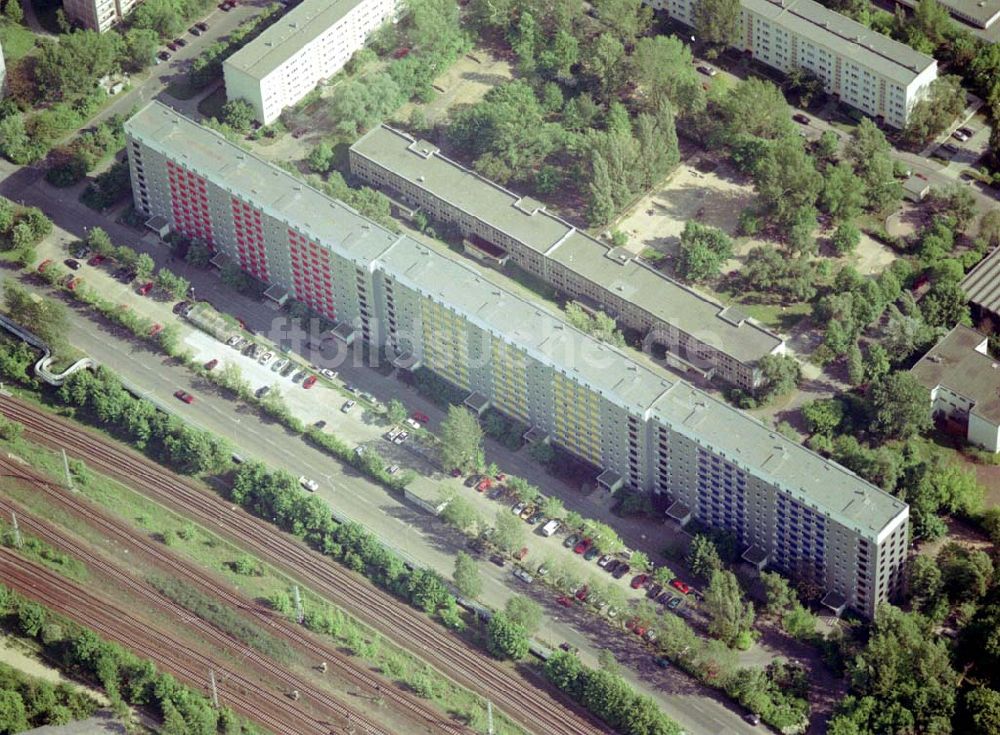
[464, 83]
[20, 655]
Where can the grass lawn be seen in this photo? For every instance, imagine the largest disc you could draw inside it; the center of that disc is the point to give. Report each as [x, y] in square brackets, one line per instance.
[777, 317]
[17, 41]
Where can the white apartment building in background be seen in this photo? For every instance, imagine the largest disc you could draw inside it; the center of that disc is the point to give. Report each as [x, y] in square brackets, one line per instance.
[309, 44]
[703, 460]
[869, 71]
[98, 15]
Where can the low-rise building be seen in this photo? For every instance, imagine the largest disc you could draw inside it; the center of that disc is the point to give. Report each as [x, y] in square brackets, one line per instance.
[694, 331]
[981, 286]
[978, 13]
[869, 71]
[964, 381]
[98, 15]
[311, 43]
[788, 507]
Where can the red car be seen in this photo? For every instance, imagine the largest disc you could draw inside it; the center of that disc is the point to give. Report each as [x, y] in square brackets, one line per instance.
[400, 52]
[583, 593]
[44, 264]
[484, 485]
[565, 601]
[639, 580]
[183, 395]
[309, 382]
[145, 288]
[72, 282]
[155, 330]
[639, 629]
[211, 364]
[582, 546]
[96, 260]
[679, 585]
[421, 417]
[522, 552]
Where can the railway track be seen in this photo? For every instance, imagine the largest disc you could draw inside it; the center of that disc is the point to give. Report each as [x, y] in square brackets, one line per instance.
[531, 706]
[306, 646]
[277, 713]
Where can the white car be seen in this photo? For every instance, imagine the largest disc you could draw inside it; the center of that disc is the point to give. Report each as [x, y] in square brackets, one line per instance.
[517, 509]
[400, 437]
[328, 373]
[348, 405]
[359, 450]
[392, 469]
[265, 358]
[523, 576]
[309, 484]
[412, 424]
[231, 342]
[278, 364]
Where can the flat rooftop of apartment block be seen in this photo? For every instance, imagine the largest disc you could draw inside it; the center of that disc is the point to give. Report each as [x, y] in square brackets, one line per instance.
[549, 338]
[253, 179]
[289, 35]
[960, 363]
[837, 32]
[982, 284]
[980, 13]
[810, 478]
[525, 220]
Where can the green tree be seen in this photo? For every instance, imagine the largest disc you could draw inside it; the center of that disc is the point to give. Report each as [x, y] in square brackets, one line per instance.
[778, 593]
[703, 250]
[983, 707]
[925, 583]
[640, 561]
[845, 238]
[140, 48]
[843, 192]
[627, 19]
[779, 374]
[506, 639]
[320, 158]
[718, 22]
[900, 406]
[754, 107]
[966, 573]
[45, 317]
[663, 68]
[508, 532]
[467, 576]
[395, 411]
[461, 440]
[461, 514]
[730, 615]
[13, 715]
[703, 557]
[787, 180]
[524, 612]
[855, 365]
[144, 267]
[553, 508]
[870, 153]
[13, 12]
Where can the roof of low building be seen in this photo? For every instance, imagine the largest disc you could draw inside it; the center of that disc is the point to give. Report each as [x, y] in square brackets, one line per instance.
[978, 12]
[982, 284]
[526, 221]
[289, 35]
[960, 363]
[846, 37]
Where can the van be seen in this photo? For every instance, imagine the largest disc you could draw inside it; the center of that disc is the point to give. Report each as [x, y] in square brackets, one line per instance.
[550, 528]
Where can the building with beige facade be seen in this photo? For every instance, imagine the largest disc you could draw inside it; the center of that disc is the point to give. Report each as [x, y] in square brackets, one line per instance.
[312, 42]
[98, 15]
[869, 71]
[964, 384]
[789, 508]
[695, 332]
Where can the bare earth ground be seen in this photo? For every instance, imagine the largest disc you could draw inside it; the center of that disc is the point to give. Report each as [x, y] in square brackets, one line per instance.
[19, 654]
[464, 83]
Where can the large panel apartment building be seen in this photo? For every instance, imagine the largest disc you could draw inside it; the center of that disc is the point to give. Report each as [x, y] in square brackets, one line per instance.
[790, 508]
[309, 44]
[872, 72]
[697, 332]
[98, 15]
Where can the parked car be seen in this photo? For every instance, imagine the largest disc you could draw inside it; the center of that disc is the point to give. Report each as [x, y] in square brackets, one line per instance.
[801, 118]
[521, 553]
[565, 601]
[536, 518]
[44, 264]
[527, 512]
[173, 46]
[523, 576]
[484, 484]
[73, 265]
[471, 480]
[401, 437]
[675, 603]
[263, 391]
[639, 580]
[518, 507]
[571, 540]
[194, 31]
[180, 42]
[621, 570]
[412, 424]
[265, 358]
[155, 330]
[308, 483]
[551, 527]
[654, 591]
[681, 586]
[498, 560]
[664, 598]
[496, 493]
[591, 553]
[212, 364]
[456, 472]
[960, 135]
[753, 718]
[661, 662]
[183, 395]
[707, 70]
[297, 378]
[542, 570]
[328, 373]
[202, 26]
[421, 417]
[603, 561]
[582, 546]
[278, 364]
[231, 342]
[348, 405]
[392, 469]
[583, 593]
[650, 636]
[612, 565]
[309, 382]
[145, 288]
